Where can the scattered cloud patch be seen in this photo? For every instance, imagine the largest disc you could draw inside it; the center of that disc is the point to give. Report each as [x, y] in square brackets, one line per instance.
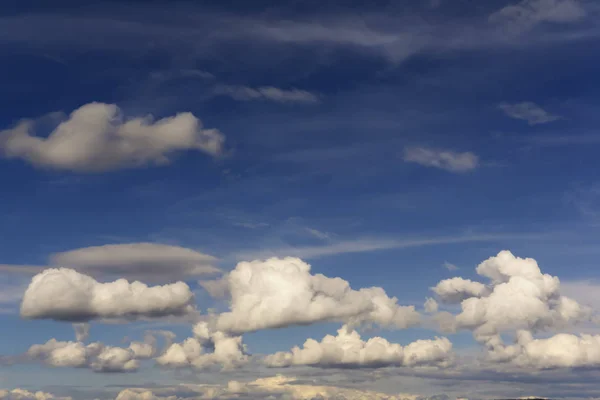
[269, 93]
[528, 13]
[348, 349]
[449, 266]
[527, 111]
[97, 138]
[95, 356]
[204, 349]
[443, 159]
[457, 289]
[66, 295]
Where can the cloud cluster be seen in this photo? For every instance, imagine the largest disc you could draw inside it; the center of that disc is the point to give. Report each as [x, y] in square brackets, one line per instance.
[206, 348]
[519, 296]
[280, 292]
[276, 387]
[66, 295]
[244, 93]
[527, 111]
[96, 356]
[443, 159]
[22, 394]
[96, 137]
[348, 349]
[558, 351]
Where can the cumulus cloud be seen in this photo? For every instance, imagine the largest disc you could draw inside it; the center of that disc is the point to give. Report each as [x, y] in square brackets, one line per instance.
[22, 394]
[348, 349]
[96, 356]
[206, 348]
[558, 351]
[519, 297]
[443, 159]
[280, 292]
[66, 295]
[527, 111]
[528, 13]
[217, 288]
[270, 93]
[97, 137]
[457, 289]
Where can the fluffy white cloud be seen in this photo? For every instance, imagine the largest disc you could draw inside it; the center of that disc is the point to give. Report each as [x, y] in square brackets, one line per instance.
[348, 349]
[527, 13]
[217, 288]
[280, 292]
[136, 261]
[244, 93]
[141, 394]
[457, 289]
[204, 349]
[22, 394]
[558, 351]
[519, 297]
[443, 159]
[95, 356]
[96, 137]
[527, 111]
[65, 294]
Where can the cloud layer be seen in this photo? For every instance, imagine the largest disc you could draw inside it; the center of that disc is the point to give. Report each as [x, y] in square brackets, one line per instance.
[97, 137]
[66, 295]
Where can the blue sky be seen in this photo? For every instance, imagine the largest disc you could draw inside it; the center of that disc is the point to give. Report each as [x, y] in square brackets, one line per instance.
[376, 141]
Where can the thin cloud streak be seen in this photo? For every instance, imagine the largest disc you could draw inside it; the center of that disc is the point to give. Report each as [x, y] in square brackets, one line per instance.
[369, 245]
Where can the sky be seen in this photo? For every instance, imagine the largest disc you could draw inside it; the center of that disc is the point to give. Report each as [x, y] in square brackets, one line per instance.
[299, 199]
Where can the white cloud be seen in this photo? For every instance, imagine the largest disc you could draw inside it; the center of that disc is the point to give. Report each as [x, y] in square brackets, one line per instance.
[443, 159]
[66, 295]
[96, 137]
[96, 356]
[280, 292]
[527, 111]
[227, 350]
[348, 349]
[519, 297]
[558, 351]
[22, 394]
[244, 93]
[528, 13]
[457, 289]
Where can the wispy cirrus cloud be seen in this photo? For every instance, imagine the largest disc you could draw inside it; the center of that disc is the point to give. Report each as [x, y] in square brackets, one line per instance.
[444, 159]
[528, 111]
[268, 93]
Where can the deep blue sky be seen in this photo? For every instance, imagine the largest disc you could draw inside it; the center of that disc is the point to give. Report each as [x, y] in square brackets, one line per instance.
[388, 75]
